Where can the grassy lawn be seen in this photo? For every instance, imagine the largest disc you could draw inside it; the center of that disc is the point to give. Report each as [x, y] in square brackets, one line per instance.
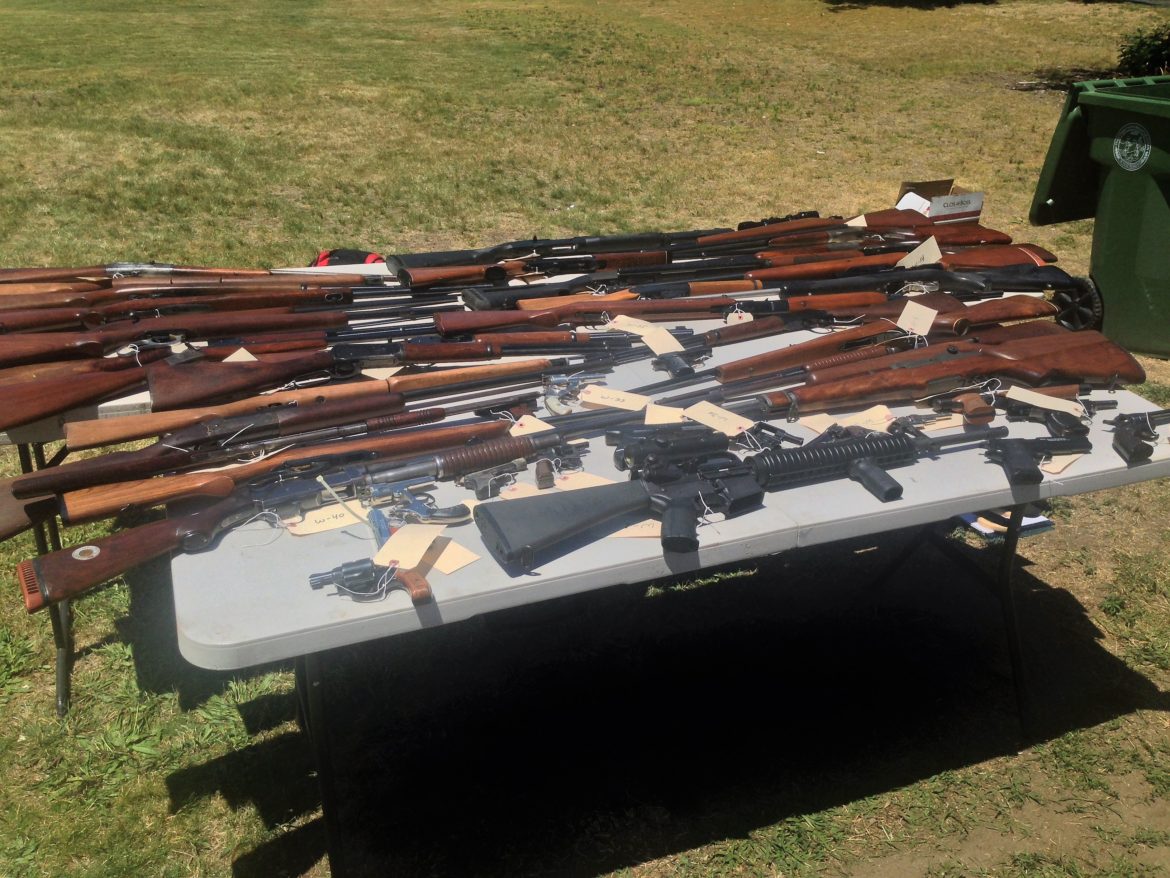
[710, 731]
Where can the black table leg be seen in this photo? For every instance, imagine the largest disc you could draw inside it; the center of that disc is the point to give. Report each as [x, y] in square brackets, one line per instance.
[48, 539]
[310, 685]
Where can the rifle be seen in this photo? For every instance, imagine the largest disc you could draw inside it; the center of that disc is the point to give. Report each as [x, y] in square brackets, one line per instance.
[848, 351]
[851, 237]
[89, 317]
[14, 297]
[521, 531]
[108, 431]
[215, 443]
[67, 368]
[972, 258]
[1014, 279]
[71, 572]
[663, 260]
[122, 269]
[548, 247]
[950, 321]
[39, 347]
[1084, 357]
[698, 308]
[102, 501]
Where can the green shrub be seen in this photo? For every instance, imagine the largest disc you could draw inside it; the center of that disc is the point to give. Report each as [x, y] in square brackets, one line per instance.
[1145, 52]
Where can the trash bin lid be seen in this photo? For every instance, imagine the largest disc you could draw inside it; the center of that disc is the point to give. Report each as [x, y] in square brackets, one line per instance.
[1069, 181]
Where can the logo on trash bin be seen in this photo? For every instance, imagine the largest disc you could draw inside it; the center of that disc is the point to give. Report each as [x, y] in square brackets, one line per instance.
[1131, 146]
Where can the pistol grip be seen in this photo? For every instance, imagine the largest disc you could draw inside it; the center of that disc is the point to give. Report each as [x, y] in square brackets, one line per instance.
[680, 526]
[415, 584]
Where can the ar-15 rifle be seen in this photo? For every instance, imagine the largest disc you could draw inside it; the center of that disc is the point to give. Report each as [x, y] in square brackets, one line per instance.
[520, 532]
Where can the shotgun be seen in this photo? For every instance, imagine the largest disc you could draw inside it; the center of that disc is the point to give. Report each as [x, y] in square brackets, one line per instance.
[215, 443]
[104, 501]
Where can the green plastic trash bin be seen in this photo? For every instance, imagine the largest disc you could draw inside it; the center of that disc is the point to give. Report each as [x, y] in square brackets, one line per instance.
[1110, 158]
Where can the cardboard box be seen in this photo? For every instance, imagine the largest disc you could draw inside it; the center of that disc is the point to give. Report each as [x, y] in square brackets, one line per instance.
[941, 200]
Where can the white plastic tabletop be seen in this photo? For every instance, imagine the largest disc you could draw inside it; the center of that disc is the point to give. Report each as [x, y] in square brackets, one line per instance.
[248, 601]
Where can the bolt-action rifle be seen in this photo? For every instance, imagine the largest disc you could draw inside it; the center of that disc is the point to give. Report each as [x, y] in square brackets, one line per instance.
[290, 490]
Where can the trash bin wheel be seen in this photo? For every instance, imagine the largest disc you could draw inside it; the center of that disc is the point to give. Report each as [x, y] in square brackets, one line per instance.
[1080, 305]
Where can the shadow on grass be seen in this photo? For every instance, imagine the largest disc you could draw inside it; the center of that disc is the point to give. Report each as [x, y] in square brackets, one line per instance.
[592, 733]
[1061, 78]
[925, 5]
[149, 627]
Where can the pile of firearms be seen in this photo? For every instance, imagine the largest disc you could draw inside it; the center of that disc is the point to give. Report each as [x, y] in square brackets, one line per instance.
[308, 419]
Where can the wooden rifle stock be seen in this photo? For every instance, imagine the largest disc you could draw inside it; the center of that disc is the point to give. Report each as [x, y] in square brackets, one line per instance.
[66, 368]
[71, 572]
[103, 501]
[29, 401]
[574, 299]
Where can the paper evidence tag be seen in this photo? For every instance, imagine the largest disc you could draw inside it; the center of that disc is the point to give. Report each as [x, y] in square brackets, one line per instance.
[529, 424]
[517, 490]
[240, 355]
[876, 418]
[926, 253]
[1059, 463]
[599, 395]
[381, 374]
[733, 317]
[407, 545]
[642, 530]
[454, 557]
[711, 415]
[1044, 401]
[664, 414]
[657, 338]
[626, 323]
[916, 319]
[331, 517]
